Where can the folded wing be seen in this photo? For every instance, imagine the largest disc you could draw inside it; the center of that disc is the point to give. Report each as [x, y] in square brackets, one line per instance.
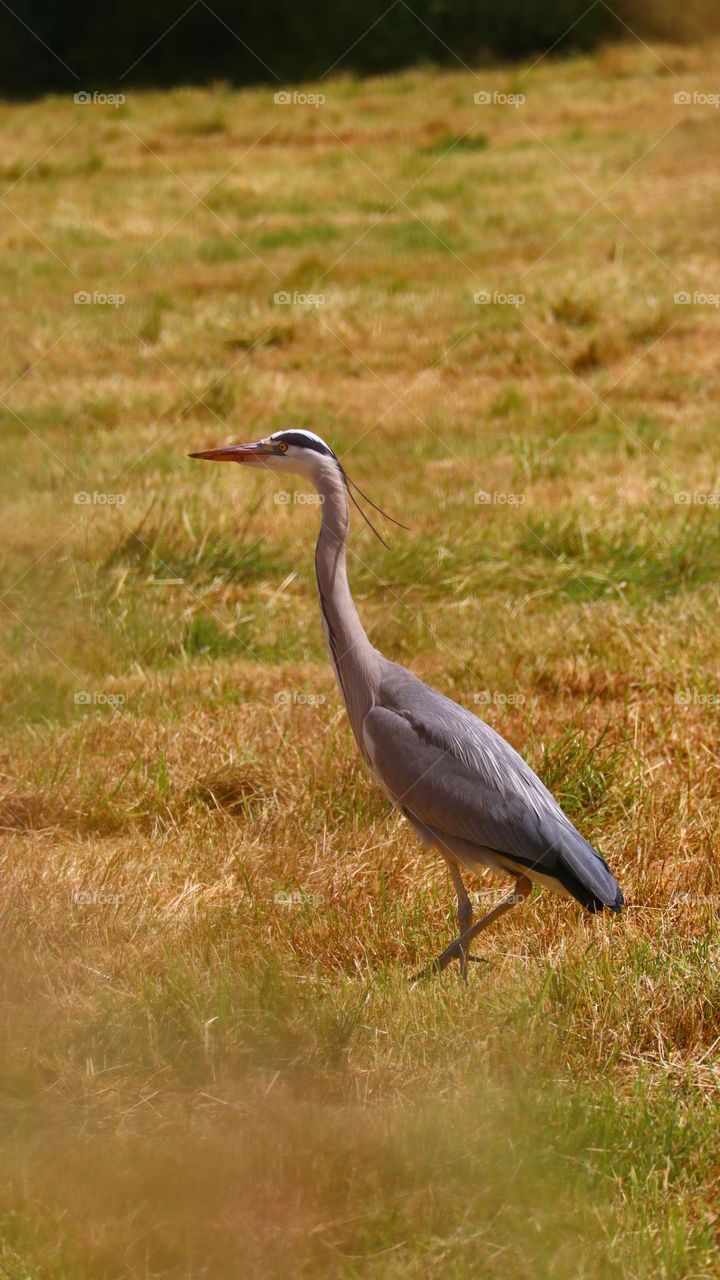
[453, 774]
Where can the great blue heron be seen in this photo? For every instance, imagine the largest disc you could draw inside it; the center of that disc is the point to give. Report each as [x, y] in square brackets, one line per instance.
[464, 789]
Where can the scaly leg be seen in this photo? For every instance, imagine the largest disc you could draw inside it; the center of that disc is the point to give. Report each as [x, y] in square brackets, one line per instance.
[464, 905]
[458, 948]
[464, 915]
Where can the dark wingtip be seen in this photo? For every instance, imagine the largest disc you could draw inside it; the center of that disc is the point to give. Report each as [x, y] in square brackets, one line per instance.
[615, 906]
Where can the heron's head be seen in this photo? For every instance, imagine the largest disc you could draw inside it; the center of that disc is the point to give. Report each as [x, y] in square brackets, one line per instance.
[301, 452]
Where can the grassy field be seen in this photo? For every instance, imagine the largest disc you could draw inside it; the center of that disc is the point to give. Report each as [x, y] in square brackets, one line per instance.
[212, 1063]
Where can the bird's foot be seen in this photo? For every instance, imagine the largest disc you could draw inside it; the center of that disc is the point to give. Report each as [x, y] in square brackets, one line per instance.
[453, 952]
[423, 975]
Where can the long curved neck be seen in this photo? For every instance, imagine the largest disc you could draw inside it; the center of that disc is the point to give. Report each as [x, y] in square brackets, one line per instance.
[353, 657]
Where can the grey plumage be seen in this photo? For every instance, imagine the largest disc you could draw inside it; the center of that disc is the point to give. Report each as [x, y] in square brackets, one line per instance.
[454, 774]
[463, 788]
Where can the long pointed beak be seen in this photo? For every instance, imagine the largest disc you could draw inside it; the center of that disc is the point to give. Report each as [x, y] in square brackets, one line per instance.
[235, 453]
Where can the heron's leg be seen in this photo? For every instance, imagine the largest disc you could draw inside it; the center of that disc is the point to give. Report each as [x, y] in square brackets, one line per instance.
[523, 889]
[464, 915]
[464, 905]
[459, 946]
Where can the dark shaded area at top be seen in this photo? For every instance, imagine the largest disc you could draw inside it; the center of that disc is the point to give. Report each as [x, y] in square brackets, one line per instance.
[55, 46]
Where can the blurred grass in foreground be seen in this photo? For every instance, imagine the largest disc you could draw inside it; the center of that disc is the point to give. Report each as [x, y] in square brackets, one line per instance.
[262, 1124]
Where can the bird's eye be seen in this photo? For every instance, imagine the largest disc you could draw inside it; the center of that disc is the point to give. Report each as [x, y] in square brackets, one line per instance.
[282, 446]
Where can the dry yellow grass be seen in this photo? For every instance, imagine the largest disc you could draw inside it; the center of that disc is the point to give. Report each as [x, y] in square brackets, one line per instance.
[212, 1063]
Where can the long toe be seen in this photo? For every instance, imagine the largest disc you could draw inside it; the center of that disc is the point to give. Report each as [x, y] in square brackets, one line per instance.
[430, 971]
[453, 952]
